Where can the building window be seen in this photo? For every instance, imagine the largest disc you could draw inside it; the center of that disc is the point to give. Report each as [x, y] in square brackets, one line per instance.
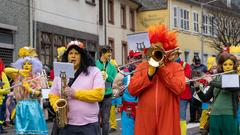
[184, 19]
[58, 41]
[175, 17]
[124, 52]
[208, 25]
[6, 36]
[132, 20]
[186, 56]
[101, 12]
[195, 22]
[123, 16]
[45, 49]
[181, 18]
[7, 56]
[91, 2]
[111, 43]
[49, 42]
[205, 24]
[110, 11]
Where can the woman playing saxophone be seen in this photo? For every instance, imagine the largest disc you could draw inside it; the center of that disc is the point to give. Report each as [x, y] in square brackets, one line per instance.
[83, 92]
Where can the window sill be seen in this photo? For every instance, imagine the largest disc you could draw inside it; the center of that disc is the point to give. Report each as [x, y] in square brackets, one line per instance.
[124, 27]
[133, 30]
[184, 31]
[91, 3]
[110, 22]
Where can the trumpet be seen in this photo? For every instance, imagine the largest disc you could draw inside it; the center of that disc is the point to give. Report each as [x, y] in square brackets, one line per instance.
[154, 56]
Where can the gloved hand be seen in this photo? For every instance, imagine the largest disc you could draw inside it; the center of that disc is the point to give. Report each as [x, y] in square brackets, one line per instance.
[196, 84]
[26, 86]
[23, 72]
[4, 92]
[151, 70]
[105, 75]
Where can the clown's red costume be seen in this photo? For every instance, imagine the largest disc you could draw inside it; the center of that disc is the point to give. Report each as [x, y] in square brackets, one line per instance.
[159, 95]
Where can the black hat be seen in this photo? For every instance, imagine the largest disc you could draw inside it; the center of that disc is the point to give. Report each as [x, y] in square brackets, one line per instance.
[197, 60]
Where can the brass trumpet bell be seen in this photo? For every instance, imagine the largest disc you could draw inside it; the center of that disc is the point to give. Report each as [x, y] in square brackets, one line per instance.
[155, 56]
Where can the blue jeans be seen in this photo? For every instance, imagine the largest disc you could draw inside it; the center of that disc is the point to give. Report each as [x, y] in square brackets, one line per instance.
[183, 109]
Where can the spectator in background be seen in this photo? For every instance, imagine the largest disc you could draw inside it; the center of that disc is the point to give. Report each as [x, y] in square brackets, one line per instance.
[115, 102]
[108, 72]
[186, 96]
[198, 69]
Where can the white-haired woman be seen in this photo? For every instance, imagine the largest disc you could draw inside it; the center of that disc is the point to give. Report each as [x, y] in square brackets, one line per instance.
[29, 117]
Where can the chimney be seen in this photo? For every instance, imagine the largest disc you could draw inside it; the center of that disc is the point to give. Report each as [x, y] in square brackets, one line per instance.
[229, 3]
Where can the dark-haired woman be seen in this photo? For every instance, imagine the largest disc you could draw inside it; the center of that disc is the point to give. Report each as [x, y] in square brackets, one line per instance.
[84, 92]
[223, 117]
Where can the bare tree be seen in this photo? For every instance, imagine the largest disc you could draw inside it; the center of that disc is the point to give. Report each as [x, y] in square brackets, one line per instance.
[226, 28]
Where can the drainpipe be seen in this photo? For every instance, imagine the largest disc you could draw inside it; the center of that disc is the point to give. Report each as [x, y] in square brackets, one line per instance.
[30, 23]
[105, 23]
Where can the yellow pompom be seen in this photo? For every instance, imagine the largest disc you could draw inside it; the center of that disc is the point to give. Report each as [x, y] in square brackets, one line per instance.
[211, 62]
[27, 51]
[114, 62]
[60, 52]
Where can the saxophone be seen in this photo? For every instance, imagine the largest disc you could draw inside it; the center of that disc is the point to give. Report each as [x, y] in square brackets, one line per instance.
[61, 113]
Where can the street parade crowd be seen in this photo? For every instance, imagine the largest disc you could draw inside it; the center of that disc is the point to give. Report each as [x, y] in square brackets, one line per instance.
[152, 92]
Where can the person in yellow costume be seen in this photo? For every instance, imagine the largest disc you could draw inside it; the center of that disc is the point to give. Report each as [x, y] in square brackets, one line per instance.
[115, 102]
[3, 92]
[27, 71]
[23, 52]
[84, 92]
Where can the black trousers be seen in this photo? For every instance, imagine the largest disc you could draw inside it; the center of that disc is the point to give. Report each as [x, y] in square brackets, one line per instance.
[55, 129]
[105, 107]
[89, 129]
[195, 110]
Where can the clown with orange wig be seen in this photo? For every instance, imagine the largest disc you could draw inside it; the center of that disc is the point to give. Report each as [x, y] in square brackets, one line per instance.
[159, 87]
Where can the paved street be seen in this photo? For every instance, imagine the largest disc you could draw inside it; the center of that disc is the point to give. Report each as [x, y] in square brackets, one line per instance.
[192, 128]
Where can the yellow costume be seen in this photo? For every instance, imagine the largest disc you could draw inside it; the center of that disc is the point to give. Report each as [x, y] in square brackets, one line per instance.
[5, 86]
[112, 120]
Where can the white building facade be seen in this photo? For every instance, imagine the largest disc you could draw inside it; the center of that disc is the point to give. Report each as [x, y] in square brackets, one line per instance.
[120, 21]
[56, 22]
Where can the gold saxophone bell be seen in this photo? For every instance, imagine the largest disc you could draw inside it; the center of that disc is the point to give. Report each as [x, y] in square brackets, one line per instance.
[62, 109]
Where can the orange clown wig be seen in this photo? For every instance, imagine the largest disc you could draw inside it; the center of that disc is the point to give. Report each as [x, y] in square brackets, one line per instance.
[159, 34]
